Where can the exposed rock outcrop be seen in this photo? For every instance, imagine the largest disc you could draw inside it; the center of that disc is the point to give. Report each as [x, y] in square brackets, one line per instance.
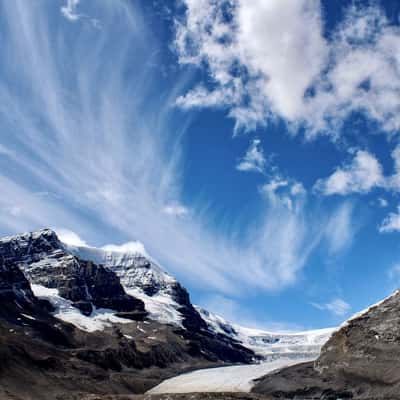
[361, 360]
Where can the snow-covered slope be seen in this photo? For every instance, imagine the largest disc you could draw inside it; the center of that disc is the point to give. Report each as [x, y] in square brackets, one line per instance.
[140, 277]
[271, 345]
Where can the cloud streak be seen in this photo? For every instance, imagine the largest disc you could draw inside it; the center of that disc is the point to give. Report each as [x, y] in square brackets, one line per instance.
[337, 307]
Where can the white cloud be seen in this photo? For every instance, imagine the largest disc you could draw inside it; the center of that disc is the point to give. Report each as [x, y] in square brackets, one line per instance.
[391, 223]
[287, 68]
[254, 159]
[363, 174]
[283, 192]
[69, 10]
[340, 229]
[337, 307]
[69, 237]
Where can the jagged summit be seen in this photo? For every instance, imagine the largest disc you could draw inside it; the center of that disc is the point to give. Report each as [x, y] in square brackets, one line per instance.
[164, 297]
[46, 262]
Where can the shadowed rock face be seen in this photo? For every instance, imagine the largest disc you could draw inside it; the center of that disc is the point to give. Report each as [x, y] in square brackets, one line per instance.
[44, 261]
[360, 360]
[13, 284]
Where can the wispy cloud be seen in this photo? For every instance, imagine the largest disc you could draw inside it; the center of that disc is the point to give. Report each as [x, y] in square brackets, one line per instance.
[176, 210]
[338, 307]
[254, 159]
[284, 191]
[289, 69]
[340, 229]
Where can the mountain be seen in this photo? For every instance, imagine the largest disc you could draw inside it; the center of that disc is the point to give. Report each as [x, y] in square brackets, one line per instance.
[77, 320]
[168, 302]
[361, 360]
[165, 299]
[69, 325]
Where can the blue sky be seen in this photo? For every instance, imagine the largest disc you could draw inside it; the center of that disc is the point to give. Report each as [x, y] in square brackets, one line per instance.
[252, 147]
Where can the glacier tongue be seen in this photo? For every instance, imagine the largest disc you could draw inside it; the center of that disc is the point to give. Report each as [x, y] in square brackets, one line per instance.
[271, 345]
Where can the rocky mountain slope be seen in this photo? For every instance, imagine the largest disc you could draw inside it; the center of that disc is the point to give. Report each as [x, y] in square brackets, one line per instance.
[67, 325]
[361, 360]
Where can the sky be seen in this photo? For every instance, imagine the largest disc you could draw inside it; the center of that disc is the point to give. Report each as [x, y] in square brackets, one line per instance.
[251, 148]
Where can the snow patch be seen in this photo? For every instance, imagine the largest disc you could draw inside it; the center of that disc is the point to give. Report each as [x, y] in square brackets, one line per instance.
[97, 321]
[160, 307]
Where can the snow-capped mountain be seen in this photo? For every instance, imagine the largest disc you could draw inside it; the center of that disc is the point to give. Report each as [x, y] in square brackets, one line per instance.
[162, 295]
[140, 277]
[95, 287]
[165, 299]
[46, 263]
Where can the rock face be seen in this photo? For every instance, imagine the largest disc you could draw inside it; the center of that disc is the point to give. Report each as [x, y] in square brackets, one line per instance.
[13, 284]
[45, 261]
[143, 278]
[361, 360]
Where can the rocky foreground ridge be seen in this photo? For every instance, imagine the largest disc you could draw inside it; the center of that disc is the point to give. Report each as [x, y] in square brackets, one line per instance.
[360, 361]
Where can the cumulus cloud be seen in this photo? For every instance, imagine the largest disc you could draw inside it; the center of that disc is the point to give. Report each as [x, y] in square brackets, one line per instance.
[270, 59]
[337, 307]
[254, 159]
[361, 175]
